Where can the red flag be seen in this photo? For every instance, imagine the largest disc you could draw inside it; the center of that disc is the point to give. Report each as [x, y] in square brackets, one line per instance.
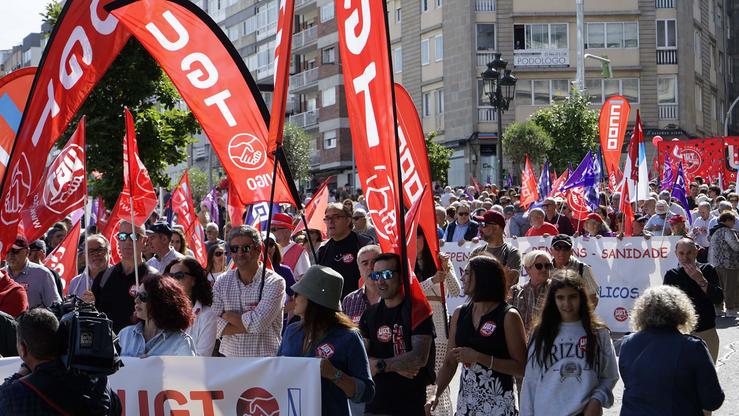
[578, 203]
[557, 185]
[314, 210]
[216, 85]
[83, 44]
[637, 136]
[63, 259]
[529, 191]
[415, 166]
[60, 191]
[614, 179]
[420, 307]
[614, 119]
[183, 207]
[283, 42]
[476, 184]
[14, 90]
[625, 208]
[235, 208]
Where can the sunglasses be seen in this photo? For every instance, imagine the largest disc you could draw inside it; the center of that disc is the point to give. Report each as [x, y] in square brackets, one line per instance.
[126, 236]
[561, 247]
[333, 218]
[219, 253]
[142, 296]
[540, 266]
[179, 275]
[463, 214]
[244, 249]
[383, 274]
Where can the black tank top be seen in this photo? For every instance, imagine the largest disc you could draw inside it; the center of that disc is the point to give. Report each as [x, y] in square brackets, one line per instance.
[489, 337]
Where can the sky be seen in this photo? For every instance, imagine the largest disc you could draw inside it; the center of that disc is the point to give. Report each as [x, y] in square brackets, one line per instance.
[18, 18]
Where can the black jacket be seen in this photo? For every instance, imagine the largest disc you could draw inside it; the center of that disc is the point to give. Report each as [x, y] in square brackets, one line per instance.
[468, 235]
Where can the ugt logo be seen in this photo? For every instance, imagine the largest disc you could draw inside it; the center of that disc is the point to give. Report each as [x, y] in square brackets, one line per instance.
[257, 401]
[381, 202]
[247, 152]
[65, 180]
[20, 187]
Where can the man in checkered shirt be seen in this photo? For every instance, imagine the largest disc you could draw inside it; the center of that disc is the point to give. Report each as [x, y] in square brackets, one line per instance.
[249, 308]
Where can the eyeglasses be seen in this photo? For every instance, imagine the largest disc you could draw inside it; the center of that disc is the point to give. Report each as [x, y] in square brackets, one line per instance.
[540, 266]
[546, 205]
[561, 247]
[357, 218]
[463, 214]
[15, 250]
[244, 249]
[219, 253]
[98, 251]
[125, 236]
[383, 274]
[142, 296]
[179, 275]
[333, 218]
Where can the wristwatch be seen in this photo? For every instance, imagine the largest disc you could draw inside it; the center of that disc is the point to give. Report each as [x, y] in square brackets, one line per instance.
[337, 376]
[380, 366]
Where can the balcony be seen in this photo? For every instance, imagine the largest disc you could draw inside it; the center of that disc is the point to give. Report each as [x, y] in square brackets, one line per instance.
[668, 112]
[485, 5]
[484, 57]
[315, 158]
[664, 4]
[666, 56]
[304, 79]
[301, 3]
[305, 119]
[486, 115]
[305, 38]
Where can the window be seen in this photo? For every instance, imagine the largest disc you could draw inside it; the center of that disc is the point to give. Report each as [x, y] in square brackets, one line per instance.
[327, 12]
[424, 6]
[439, 3]
[594, 89]
[667, 90]
[424, 52]
[329, 139]
[595, 37]
[328, 97]
[697, 50]
[631, 35]
[712, 61]
[541, 92]
[439, 98]
[666, 33]
[698, 99]
[438, 47]
[560, 89]
[426, 104]
[600, 89]
[612, 35]
[398, 14]
[630, 89]
[523, 92]
[485, 37]
[398, 60]
[232, 32]
[328, 55]
[250, 25]
[540, 36]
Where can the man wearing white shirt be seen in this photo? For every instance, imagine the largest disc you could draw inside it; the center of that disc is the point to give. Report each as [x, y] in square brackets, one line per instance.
[700, 225]
[98, 251]
[160, 241]
[293, 255]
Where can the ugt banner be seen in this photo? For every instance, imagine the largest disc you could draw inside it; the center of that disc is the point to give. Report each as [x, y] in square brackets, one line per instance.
[622, 268]
[213, 386]
[705, 157]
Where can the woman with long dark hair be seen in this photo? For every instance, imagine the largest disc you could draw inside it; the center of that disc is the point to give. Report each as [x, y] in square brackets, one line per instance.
[487, 336]
[571, 365]
[216, 265]
[190, 275]
[179, 243]
[164, 313]
[325, 332]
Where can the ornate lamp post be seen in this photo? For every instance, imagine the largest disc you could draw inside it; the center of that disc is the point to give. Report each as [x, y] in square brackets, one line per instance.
[500, 87]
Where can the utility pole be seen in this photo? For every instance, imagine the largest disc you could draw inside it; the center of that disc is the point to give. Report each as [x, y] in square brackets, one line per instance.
[580, 11]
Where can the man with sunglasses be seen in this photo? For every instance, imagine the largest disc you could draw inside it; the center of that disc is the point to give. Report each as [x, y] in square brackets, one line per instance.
[340, 250]
[360, 220]
[462, 229]
[113, 290]
[35, 278]
[563, 259]
[98, 251]
[400, 377]
[492, 224]
[160, 242]
[249, 308]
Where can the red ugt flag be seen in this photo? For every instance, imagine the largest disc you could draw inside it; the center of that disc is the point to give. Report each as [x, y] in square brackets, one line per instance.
[182, 206]
[63, 259]
[314, 210]
[529, 191]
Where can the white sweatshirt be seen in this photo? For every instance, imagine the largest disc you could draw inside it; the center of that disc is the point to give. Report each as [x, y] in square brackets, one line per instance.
[566, 383]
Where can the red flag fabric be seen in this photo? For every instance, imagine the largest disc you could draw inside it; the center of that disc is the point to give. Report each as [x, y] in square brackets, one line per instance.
[235, 208]
[83, 44]
[283, 42]
[14, 90]
[60, 191]
[103, 214]
[637, 136]
[420, 307]
[63, 259]
[529, 191]
[614, 119]
[415, 167]
[557, 185]
[708, 157]
[625, 207]
[314, 210]
[182, 206]
[216, 85]
[578, 203]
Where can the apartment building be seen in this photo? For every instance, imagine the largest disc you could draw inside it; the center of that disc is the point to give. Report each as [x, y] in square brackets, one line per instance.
[28, 53]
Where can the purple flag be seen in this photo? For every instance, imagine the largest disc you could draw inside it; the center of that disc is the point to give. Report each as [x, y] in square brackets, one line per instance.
[680, 192]
[545, 183]
[211, 201]
[586, 174]
[667, 175]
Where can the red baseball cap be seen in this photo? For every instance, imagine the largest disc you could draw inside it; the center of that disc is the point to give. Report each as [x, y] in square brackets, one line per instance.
[20, 242]
[491, 217]
[281, 220]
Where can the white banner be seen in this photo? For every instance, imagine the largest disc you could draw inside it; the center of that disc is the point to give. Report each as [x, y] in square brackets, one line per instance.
[622, 268]
[213, 386]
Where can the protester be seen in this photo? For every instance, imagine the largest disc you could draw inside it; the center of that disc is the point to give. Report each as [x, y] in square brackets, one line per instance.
[362, 225]
[179, 243]
[160, 242]
[527, 298]
[491, 232]
[354, 304]
[37, 254]
[35, 278]
[275, 257]
[293, 254]
[487, 336]
[13, 298]
[248, 300]
[518, 225]
[400, 377]
[163, 313]
[658, 224]
[98, 251]
[699, 230]
[113, 290]
[677, 225]
[572, 364]
[192, 279]
[325, 332]
[665, 370]
[8, 336]
[55, 236]
[563, 259]
[462, 228]
[312, 243]
[637, 227]
[723, 254]
[440, 221]
[211, 235]
[538, 226]
[595, 226]
[216, 262]
[551, 216]
[340, 251]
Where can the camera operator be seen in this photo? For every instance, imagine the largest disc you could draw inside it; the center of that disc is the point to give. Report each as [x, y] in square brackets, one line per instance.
[43, 386]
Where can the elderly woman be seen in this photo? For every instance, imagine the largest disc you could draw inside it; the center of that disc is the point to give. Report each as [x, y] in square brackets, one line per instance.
[527, 297]
[595, 226]
[164, 314]
[664, 370]
[723, 254]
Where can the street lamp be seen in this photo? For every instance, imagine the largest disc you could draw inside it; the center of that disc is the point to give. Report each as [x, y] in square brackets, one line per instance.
[500, 87]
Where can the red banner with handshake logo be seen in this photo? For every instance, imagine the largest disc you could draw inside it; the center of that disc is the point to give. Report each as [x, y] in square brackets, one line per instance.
[708, 158]
[186, 217]
[63, 259]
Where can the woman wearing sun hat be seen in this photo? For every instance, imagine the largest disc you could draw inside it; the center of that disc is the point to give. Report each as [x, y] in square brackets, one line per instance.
[325, 332]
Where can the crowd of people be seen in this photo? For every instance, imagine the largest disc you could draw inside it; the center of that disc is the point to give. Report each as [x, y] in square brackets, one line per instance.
[533, 347]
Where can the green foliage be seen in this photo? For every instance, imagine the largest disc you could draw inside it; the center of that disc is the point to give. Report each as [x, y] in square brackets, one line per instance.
[527, 138]
[296, 144]
[438, 159]
[51, 12]
[198, 184]
[573, 126]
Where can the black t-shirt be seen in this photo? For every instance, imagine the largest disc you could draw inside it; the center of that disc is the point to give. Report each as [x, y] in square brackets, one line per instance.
[702, 302]
[342, 257]
[395, 394]
[115, 298]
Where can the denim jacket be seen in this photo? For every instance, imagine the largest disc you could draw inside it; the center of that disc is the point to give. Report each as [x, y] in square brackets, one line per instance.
[131, 339]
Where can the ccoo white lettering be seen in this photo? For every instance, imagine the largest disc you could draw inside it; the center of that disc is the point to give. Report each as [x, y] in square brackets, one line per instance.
[182, 36]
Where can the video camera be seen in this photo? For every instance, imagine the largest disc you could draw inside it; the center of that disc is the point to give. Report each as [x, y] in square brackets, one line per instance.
[86, 338]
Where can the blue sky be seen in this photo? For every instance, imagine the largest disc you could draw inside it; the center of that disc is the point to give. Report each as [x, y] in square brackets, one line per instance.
[19, 18]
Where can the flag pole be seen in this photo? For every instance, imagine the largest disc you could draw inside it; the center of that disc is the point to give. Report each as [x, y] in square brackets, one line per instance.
[87, 254]
[278, 149]
[136, 255]
[307, 235]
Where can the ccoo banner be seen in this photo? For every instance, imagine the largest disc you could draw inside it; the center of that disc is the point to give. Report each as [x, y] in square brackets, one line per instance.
[213, 386]
[622, 268]
[703, 157]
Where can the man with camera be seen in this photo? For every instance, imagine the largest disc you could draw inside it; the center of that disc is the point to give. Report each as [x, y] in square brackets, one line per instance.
[43, 385]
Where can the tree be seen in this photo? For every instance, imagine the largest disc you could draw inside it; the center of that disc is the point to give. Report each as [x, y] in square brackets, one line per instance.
[163, 130]
[438, 159]
[573, 126]
[527, 138]
[198, 184]
[296, 145]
